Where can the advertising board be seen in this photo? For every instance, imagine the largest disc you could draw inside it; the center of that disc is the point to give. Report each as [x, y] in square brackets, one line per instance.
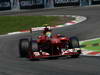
[5, 4]
[30, 4]
[66, 2]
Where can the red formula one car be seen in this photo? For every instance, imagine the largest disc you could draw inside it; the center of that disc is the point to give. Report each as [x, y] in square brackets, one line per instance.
[48, 45]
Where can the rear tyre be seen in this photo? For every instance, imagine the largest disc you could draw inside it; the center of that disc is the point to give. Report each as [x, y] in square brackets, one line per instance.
[23, 47]
[74, 43]
[75, 56]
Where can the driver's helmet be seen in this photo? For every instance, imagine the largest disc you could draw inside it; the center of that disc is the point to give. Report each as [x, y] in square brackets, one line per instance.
[48, 34]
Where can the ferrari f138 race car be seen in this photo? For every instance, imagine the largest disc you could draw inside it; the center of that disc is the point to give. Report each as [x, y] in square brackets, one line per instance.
[48, 45]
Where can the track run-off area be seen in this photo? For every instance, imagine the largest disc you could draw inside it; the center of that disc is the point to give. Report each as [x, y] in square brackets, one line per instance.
[11, 64]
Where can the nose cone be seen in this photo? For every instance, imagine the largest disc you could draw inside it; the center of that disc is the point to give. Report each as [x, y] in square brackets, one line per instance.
[55, 41]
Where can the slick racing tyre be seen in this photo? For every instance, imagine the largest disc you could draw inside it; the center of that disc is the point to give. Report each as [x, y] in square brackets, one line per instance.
[74, 42]
[75, 56]
[23, 47]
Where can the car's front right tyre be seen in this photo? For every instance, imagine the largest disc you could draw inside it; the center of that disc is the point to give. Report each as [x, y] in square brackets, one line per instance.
[23, 47]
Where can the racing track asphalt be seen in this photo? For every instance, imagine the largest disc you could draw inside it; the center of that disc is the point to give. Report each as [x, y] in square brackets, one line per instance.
[11, 64]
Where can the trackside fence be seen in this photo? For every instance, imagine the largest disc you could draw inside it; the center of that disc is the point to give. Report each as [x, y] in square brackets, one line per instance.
[35, 4]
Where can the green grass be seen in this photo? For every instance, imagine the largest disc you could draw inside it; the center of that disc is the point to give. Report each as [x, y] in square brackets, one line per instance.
[94, 48]
[91, 42]
[16, 23]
